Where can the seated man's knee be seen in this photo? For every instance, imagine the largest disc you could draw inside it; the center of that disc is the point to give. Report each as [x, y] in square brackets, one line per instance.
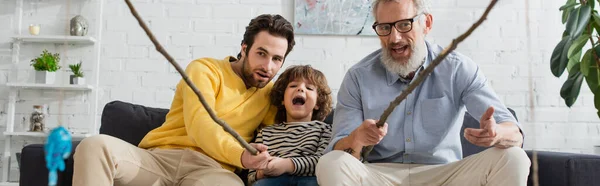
[513, 158]
[332, 162]
[517, 156]
[93, 145]
[338, 167]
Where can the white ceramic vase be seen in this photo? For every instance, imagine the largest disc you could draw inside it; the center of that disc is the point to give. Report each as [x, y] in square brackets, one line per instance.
[45, 77]
[77, 80]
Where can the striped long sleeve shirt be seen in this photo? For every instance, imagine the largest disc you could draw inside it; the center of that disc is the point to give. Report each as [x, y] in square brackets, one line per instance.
[302, 142]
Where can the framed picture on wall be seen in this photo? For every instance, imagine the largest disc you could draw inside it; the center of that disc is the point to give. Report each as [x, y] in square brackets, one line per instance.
[333, 17]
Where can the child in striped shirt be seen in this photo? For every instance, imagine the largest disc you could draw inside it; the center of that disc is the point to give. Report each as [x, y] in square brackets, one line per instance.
[299, 138]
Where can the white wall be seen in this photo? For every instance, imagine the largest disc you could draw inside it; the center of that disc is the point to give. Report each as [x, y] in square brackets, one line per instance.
[516, 64]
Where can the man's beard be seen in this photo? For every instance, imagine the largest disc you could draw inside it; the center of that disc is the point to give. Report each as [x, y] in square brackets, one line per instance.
[416, 59]
[249, 76]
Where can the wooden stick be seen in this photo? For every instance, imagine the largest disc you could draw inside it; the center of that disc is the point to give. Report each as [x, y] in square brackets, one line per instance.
[423, 74]
[160, 49]
[534, 164]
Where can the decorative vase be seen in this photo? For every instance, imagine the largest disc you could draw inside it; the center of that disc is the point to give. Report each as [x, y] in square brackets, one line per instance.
[37, 119]
[45, 77]
[34, 29]
[79, 26]
[77, 80]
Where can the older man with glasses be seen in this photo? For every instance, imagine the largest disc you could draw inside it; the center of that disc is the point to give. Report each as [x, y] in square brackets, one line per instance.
[421, 145]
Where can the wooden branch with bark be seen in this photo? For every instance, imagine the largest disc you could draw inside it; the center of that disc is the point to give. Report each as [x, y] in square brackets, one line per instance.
[160, 49]
[424, 73]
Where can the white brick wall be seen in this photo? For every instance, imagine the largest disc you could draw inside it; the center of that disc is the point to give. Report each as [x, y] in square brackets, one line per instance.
[132, 70]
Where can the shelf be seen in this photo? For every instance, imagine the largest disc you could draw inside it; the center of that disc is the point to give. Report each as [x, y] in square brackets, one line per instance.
[57, 39]
[49, 86]
[41, 134]
[9, 183]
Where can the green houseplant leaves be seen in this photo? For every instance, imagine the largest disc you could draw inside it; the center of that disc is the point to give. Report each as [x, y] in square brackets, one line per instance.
[580, 21]
[46, 62]
[571, 87]
[560, 58]
[76, 69]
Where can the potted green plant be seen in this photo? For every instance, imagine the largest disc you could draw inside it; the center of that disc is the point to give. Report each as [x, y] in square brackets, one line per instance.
[572, 56]
[45, 67]
[77, 76]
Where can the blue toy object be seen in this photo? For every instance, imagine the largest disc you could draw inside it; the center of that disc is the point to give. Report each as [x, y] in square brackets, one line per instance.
[57, 148]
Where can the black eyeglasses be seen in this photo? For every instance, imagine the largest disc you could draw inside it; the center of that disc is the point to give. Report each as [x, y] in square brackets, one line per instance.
[402, 26]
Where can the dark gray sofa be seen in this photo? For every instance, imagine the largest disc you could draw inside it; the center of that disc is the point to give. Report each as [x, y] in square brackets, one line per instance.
[131, 122]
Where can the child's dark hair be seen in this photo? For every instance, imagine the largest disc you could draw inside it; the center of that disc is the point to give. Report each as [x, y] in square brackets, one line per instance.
[315, 77]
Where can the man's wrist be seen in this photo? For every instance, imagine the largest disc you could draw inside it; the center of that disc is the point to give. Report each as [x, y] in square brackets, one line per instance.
[354, 144]
[355, 147]
[509, 135]
[242, 160]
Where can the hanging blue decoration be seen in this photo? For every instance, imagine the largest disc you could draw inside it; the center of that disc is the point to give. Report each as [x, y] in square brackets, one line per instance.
[57, 148]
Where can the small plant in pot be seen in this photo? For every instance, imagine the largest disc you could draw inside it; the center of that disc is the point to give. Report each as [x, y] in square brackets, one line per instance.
[77, 76]
[45, 67]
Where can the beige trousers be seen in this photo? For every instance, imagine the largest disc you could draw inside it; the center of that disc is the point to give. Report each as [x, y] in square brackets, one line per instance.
[104, 160]
[494, 166]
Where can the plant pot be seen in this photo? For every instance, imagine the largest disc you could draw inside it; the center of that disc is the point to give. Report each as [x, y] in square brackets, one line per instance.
[45, 77]
[77, 80]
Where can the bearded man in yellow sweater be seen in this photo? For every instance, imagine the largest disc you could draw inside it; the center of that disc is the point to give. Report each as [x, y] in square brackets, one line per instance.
[190, 148]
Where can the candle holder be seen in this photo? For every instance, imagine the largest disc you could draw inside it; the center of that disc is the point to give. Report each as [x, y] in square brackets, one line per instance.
[34, 29]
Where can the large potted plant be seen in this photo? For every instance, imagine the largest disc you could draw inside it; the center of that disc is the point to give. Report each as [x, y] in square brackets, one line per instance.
[45, 67]
[77, 77]
[582, 27]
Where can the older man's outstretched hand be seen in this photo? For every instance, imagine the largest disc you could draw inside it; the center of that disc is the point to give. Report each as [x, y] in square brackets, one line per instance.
[487, 134]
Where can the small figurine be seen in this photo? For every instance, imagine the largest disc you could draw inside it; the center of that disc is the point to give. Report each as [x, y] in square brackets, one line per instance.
[57, 148]
[79, 26]
[37, 119]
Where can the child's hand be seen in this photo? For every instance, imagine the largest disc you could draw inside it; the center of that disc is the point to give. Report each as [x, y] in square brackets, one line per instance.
[278, 166]
[259, 174]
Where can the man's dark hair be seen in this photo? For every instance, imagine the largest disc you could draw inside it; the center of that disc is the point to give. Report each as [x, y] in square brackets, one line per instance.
[275, 24]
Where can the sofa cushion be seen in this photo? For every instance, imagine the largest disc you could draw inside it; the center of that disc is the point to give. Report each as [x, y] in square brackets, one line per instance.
[565, 169]
[130, 122]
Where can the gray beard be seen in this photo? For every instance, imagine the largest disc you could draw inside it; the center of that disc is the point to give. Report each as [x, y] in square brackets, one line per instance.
[415, 60]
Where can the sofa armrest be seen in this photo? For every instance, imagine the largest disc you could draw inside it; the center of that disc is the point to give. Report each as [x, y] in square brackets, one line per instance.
[566, 169]
[33, 171]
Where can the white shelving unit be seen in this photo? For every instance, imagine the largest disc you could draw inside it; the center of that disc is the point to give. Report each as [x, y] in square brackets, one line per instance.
[14, 86]
[85, 40]
[9, 184]
[49, 87]
[42, 134]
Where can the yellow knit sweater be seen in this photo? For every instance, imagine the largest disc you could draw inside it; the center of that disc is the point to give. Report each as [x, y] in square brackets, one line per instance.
[188, 125]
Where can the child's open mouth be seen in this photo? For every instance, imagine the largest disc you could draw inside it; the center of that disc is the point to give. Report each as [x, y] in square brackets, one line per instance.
[298, 100]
